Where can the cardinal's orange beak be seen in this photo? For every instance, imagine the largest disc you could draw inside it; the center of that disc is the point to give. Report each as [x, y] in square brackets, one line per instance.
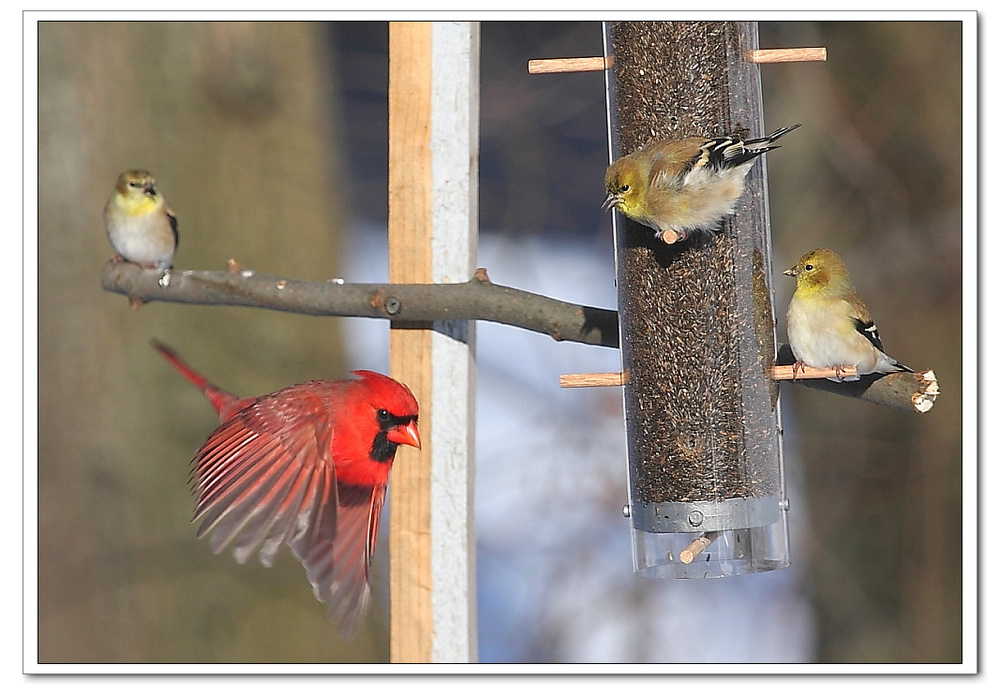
[405, 434]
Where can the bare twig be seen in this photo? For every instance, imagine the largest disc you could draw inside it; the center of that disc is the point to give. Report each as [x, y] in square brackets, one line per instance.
[477, 299]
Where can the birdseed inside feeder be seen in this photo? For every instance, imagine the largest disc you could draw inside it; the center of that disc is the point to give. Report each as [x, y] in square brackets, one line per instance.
[706, 490]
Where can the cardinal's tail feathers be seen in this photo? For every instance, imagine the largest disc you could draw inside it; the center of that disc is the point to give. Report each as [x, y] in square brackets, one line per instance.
[219, 398]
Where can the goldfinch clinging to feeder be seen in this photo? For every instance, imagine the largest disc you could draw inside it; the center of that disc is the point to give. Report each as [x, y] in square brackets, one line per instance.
[140, 224]
[829, 326]
[678, 186]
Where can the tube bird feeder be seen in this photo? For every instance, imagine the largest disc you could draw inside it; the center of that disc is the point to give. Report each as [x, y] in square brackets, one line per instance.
[706, 487]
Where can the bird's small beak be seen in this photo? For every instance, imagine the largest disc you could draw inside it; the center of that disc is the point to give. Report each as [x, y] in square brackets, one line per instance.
[611, 201]
[791, 272]
[149, 190]
[405, 434]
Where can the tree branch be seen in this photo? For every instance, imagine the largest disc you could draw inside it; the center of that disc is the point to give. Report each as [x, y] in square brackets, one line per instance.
[478, 299]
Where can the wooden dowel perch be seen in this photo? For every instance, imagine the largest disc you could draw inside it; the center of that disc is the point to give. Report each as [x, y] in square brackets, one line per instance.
[545, 66]
[786, 55]
[698, 546]
[778, 373]
[575, 381]
[789, 371]
[912, 392]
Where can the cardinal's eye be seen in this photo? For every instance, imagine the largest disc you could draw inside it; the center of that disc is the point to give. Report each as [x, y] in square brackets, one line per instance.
[382, 415]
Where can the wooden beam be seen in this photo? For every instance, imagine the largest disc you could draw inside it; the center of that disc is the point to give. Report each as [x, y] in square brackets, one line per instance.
[454, 245]
[433, 145]
[410, 622]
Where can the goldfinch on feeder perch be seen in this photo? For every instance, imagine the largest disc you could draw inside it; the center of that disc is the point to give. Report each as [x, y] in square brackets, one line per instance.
[829, 327]
[679, 186]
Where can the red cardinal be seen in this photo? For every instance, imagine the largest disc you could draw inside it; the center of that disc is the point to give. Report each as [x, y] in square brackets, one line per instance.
[306, 466]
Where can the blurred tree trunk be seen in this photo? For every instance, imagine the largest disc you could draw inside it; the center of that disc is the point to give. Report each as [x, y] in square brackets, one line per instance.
[234, 120]
[883, 488]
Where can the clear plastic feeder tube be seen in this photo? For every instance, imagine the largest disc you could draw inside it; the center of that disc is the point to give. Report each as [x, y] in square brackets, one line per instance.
[706, 488]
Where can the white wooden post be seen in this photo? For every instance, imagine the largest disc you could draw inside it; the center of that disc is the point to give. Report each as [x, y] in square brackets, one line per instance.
[433, 229]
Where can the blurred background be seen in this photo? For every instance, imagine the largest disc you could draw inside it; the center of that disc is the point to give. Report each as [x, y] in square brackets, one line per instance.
[269, 140]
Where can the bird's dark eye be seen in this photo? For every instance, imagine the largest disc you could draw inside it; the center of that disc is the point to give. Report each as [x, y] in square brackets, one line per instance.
[625, 188]
[382, 415]
[809, 266]
[135, 184]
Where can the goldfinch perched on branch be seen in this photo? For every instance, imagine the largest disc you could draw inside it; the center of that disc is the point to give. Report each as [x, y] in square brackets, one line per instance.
[140, 224]
[678, 186]
[828, 325]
